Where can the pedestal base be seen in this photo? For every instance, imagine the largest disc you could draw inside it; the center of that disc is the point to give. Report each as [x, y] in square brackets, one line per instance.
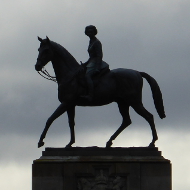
[101, 169]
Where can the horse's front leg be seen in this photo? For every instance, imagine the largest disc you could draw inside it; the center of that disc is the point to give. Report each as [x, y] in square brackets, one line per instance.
[59, 111]
[71, 118]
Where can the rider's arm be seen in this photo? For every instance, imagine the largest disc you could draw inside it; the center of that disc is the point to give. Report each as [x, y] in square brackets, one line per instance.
[99, 54]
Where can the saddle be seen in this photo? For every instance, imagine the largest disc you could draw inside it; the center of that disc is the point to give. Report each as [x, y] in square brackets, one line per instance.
[95, 78]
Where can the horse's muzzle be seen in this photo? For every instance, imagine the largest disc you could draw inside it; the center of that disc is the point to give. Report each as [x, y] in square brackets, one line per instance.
[38, 67]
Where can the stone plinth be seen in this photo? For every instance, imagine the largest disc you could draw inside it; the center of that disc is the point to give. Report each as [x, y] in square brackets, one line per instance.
[93, 168]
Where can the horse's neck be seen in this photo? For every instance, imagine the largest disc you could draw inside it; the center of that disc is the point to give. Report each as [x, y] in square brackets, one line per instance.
[64, 64]
[63, 71]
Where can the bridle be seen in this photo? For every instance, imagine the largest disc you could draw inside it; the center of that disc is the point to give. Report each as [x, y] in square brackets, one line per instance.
[44, 73]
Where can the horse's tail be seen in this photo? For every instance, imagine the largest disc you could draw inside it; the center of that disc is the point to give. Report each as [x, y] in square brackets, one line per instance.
[156, 93]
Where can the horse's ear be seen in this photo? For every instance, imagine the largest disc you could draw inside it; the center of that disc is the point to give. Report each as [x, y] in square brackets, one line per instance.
[40, 39]
[48, 40]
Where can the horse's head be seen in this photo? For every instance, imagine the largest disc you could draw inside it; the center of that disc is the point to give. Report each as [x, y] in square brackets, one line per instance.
[45, 53]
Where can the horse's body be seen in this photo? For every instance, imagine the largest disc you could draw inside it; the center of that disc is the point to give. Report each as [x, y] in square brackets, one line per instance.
[123, 86]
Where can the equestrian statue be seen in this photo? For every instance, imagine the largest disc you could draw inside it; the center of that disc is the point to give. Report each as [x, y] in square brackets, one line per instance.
[93, 84]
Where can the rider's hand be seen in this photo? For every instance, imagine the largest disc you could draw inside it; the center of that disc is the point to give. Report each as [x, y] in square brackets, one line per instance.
[81, 69]
[83, 64]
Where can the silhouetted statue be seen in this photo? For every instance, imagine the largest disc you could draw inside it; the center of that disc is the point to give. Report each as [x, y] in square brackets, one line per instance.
[95, 62]
[123, 86]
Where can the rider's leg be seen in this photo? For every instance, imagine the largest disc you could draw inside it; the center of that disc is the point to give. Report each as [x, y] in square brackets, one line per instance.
[90, 86]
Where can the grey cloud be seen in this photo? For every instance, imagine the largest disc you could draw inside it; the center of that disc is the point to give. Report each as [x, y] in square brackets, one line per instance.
[149, 36]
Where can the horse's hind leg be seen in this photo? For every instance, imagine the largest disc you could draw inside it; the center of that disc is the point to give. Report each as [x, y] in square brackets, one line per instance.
[59, 111]
[71, 117]
[124, 110]
[149, 118]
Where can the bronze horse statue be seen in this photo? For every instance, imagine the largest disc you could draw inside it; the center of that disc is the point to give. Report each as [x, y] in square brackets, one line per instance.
[123, 86]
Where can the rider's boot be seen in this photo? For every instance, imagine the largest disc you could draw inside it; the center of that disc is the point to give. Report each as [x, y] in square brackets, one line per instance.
[90, 85]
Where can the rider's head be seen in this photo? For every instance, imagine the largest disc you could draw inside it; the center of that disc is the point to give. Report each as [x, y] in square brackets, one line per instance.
[91, 28]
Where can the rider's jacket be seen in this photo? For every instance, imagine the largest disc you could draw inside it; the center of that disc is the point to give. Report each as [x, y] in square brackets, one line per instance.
[95, 56]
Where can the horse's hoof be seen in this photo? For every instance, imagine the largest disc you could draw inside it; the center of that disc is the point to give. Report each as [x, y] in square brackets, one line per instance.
[151, 145]
[68, 146]
[40, 144]
[108, 144]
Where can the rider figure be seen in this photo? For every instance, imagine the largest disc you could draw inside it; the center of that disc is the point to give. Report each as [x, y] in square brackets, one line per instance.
[94, 63]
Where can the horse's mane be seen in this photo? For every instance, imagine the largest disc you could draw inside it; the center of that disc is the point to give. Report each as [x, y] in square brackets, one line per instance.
[65, 55]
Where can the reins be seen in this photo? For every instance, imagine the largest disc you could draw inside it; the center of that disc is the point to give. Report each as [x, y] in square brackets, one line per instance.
[44, 73]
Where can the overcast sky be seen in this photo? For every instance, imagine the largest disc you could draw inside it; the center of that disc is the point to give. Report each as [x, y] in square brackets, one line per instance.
[145, 35]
